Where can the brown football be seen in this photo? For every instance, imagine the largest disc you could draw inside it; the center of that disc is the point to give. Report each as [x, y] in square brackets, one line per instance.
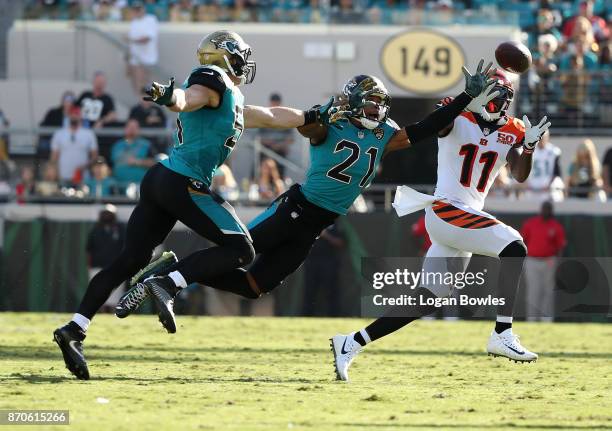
[513, 57]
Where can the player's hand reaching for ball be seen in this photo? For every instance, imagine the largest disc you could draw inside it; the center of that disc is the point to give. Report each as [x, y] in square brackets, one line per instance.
[479, 103]
[478, 82]
[534, 133]
[161, 94]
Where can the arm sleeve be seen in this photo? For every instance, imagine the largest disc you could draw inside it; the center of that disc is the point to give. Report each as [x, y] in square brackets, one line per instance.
[438, 119]
[209, 78]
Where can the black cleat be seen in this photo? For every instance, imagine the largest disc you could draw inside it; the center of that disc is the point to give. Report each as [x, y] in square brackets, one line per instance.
[131, 300]
[70, 338]
[163, 290]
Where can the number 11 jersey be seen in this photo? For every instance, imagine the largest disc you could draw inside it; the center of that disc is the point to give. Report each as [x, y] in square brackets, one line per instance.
[470, 158]
[344, 164]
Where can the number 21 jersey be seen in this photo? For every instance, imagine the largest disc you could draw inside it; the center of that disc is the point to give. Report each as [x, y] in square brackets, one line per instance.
[344, 164]
[470, 157]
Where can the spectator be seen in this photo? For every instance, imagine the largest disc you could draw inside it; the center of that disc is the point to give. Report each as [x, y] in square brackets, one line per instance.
[584, 172]
[419, 233]
[142, 37]
[321, 271]
[574, 85]
[58, 116]
[545, 240]
[545, 58]
[607, 172]
[104, 243]
[8, 169]
[107, 10]
[55, 117]
[131, 156]
[224, 183]
[581, 52]
[48, 186]
[545, 26]
[97, 107]
[73, 148]
[27, 185]
[277, 140]
[345, 12]
[182, 11]
[100, 184]
[150, 115]
[270, 182]
[599, 25]
[545, 179]
[582, 33]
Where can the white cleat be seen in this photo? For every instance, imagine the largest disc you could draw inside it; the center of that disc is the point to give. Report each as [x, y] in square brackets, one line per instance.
[344, 348]
[507, 344]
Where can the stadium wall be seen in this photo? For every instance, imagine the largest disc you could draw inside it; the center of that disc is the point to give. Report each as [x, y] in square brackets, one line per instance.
[44, 263]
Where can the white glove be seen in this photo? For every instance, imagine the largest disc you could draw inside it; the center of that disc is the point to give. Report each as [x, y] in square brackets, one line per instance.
[479, 103]
[534, 133]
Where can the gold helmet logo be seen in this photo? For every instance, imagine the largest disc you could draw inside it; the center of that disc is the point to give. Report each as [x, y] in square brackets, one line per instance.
[227, 50]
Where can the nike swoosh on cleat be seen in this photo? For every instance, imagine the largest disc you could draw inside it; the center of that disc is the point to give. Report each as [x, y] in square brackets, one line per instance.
[342, 350]
[515, 351]
[71, 344]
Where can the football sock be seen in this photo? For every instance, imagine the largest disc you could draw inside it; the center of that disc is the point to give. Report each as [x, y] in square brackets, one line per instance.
[362, 337]
[511, 266]
[398, 317]
[81, 321]
[502, 323]
[179, 280]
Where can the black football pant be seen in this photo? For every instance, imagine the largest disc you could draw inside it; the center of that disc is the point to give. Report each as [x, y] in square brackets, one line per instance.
[165, 197]
[282, 236]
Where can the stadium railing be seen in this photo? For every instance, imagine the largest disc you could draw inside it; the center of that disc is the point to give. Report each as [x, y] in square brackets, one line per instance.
[578, 102]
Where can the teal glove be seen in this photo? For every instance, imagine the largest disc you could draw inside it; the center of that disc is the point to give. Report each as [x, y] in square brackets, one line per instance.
[477, 83]
[161, 94]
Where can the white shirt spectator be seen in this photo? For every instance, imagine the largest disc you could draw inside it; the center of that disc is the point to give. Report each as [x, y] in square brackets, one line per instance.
[145, 54]
[545, 167]
[74, 148]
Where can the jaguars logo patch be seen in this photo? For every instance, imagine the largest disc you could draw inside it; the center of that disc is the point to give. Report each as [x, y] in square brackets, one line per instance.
[379, 133]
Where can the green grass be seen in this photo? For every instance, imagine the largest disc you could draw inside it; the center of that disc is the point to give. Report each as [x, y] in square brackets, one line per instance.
[276, 373]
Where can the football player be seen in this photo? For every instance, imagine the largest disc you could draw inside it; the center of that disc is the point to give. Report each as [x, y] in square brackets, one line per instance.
[347, 144]
[471, 151]
[211, 119]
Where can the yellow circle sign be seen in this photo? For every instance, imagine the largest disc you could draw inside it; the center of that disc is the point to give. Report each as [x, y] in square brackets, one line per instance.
[423, 61]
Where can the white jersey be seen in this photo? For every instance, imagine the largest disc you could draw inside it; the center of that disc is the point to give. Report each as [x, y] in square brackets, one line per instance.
[469, 159]
[543, 170]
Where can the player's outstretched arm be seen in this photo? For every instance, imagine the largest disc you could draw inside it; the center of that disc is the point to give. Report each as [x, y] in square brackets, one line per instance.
[521, 162]
[477, 87]
[278, 117]
[178, 100]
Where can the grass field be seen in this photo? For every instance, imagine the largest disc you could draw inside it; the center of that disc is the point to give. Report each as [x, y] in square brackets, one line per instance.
[276, 373]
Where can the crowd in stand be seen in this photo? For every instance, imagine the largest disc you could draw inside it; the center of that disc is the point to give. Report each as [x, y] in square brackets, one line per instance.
[572, 74]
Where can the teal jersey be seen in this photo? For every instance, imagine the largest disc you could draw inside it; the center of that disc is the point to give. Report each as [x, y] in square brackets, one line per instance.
[204, 138]
[344, 164]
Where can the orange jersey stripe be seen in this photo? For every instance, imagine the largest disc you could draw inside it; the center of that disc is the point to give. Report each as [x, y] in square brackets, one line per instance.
[488, 222]
[466, 220]
[453, 213]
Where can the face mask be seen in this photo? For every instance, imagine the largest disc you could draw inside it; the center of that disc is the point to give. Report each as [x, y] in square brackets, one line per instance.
[74, 122]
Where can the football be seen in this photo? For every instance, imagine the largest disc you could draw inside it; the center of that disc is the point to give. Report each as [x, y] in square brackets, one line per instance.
[513, 57]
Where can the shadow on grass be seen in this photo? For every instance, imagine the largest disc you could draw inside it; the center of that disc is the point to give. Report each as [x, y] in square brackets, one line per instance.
[160, 353]
[40, 378]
